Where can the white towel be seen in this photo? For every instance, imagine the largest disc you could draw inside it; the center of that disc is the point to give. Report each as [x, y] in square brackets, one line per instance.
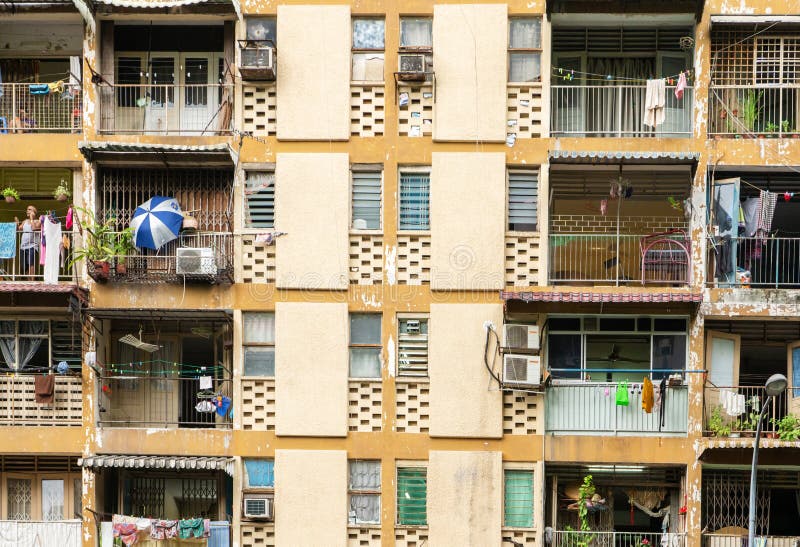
[52, 234]
[655, 99]
[205, 382]
[732, 402]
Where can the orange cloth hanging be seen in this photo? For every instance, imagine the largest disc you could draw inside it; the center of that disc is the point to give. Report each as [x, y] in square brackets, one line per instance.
[648, 396]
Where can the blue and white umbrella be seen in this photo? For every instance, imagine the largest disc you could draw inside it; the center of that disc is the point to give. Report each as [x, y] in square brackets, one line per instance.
[156, 222]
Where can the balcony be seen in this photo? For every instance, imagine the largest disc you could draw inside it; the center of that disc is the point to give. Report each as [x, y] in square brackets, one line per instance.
[736, 540]
[16, 268]
[617, 539]
[65, 533]
[18, 406]
[199, 257]
[742, 422]
[22, 111]
[754, 111]
[589, 408]
[765, 262]
[616, 111]
[149, 109]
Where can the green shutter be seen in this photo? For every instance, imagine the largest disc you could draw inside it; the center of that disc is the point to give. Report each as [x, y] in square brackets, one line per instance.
[412, 494]
[518, 499]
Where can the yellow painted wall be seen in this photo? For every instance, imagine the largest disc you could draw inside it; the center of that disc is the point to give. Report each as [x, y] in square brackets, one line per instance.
[462, 404]
[465, 498]
[312, 207]
[469, 58]
[314, 47]
[468, 201]
[311, 363]
[310, 498]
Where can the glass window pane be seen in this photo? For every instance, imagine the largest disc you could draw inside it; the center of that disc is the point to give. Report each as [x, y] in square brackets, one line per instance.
[365, 508]
[365, 475]
[365, 362]
[259, 328]
[259, 361]
[669, 352]
[77, 502]
[52, 500]
[666, 324]
[415, 32]
[564, 352]
[366, 200]
[196, 80]
[365, 328]
[368, 33]
[525, 33]
[18, 496]
[33, 327]
[262, 28]
[260, 473]
[415, 201]
[518, 498]
[524, 67]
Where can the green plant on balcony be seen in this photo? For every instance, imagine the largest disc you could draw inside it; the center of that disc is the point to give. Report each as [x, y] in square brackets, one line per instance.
[788, 427]
[717, 423]
[786, 126]
[62, 192]
[98, 247]
[123, 249]
[771, 127]
[749, 423]
[751, 108]
[585, 492]
[10, 194]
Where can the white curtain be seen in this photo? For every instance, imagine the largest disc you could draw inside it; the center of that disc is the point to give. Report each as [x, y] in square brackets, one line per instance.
[415, 33]
[365, 476]
[29, 346]
[259, 328]
[8, 346]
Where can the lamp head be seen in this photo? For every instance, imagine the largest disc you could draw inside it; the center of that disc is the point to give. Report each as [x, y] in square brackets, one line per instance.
[776, 384]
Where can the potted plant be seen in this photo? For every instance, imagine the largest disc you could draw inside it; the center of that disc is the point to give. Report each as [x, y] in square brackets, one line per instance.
[123, 248]
[772, 128]
[717, 424]
[98, 245]
[751, 108]
[62, 193]
[586, 491]
[786, 127]
[788, 427]
[10, 194]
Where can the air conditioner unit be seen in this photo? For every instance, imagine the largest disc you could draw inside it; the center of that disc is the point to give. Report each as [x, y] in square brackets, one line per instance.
[521, 370]
[411, 67]
[257, 507]
[520, 337]
[195, 261]
[257, 60]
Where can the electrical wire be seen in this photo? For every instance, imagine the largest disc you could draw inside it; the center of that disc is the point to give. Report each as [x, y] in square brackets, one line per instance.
[489, 331]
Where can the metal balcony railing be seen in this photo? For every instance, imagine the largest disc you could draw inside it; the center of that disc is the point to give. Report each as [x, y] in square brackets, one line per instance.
[590, 408]
[27, 266]
[160, 401]
[22, 111]
[18, 404]
[195, 109]
[617, 539]
[772, 262]
[750, 111]
[741, 420]
[616, 111]
[731, 540]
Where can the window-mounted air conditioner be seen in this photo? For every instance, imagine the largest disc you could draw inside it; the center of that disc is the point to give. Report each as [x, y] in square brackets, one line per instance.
[521, 370]
[257, 60]
[195, 261]
[411, 67]
[520, 337]
[257, 507]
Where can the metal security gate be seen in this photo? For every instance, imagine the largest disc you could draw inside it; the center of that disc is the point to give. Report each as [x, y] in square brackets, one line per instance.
[726, 500]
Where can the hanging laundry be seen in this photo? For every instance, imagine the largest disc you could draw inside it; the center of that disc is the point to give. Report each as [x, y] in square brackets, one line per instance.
[163, 529]
[662, 388]
[125, 529]
[223, 404]
[205, 382]
[194, 528]
[52, 233]
[732, 402]
[267, 238]
[205, 407]
[68, 221]
[647, 395]
[654, 103]
[8, 239]
[622, 394]
[766, 211]
[603, 206]
[681, 86]
[56, 87]
[39, 89]
[44, 388]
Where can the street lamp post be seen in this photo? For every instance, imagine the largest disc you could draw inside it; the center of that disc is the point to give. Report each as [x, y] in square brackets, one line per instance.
[776, 384]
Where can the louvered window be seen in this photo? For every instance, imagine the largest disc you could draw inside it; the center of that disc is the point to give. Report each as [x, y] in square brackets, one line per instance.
[415, 201]
[518, 498]
[412, 346]
[366, 200]
[364, 491]
[412, 496]
[523, 190]
[260, 200]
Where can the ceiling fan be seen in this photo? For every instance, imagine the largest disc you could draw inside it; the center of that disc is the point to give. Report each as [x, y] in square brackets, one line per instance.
[616, 356]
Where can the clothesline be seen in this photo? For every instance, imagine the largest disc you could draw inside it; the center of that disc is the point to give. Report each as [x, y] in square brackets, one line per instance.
[561, 71]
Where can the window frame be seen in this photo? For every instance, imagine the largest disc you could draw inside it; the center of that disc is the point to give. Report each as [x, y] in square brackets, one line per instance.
[254, 18]
[404, 374]
[267, 169]
[351, 346]
[423, 465]
[361, 51]
[520, 467]
[412, 170]
[246, 344]
[514, 170]
[47, 336]
[515, 50]
[364, 492]
[367, 168]
[417, 49]
[36, 479]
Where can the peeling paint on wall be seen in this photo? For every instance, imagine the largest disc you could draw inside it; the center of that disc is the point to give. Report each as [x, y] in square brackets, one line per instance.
[390, 357]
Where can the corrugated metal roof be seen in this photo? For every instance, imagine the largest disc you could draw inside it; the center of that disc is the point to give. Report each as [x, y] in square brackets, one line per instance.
[154, 4]
[584, 156]
[33, 286]
[615, 297]
[92, 148]
[176, 463]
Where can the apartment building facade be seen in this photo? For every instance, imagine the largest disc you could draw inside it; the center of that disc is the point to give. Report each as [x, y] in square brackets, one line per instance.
[429, 254]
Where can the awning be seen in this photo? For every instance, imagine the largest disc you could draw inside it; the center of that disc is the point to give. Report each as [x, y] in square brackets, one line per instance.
[162, 314]
[610, 297]
[36, 287]
[170, 463]
[171, 154]
[614, 158]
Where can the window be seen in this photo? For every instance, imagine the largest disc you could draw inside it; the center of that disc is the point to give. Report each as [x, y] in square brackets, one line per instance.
[259, 473]
[259, 200]
[364, 491]
[523, 189]
[368, 49]
[412, 346]
[25, 345]
[518, 498]
[365, 345]
[366, 197]
[262, 28]
[53, 499]
[259, 344]
[19, 497]
[412, 496]
[524, 49]
[416, 33]
[415, 190]
[129, 76]
[41, 496]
